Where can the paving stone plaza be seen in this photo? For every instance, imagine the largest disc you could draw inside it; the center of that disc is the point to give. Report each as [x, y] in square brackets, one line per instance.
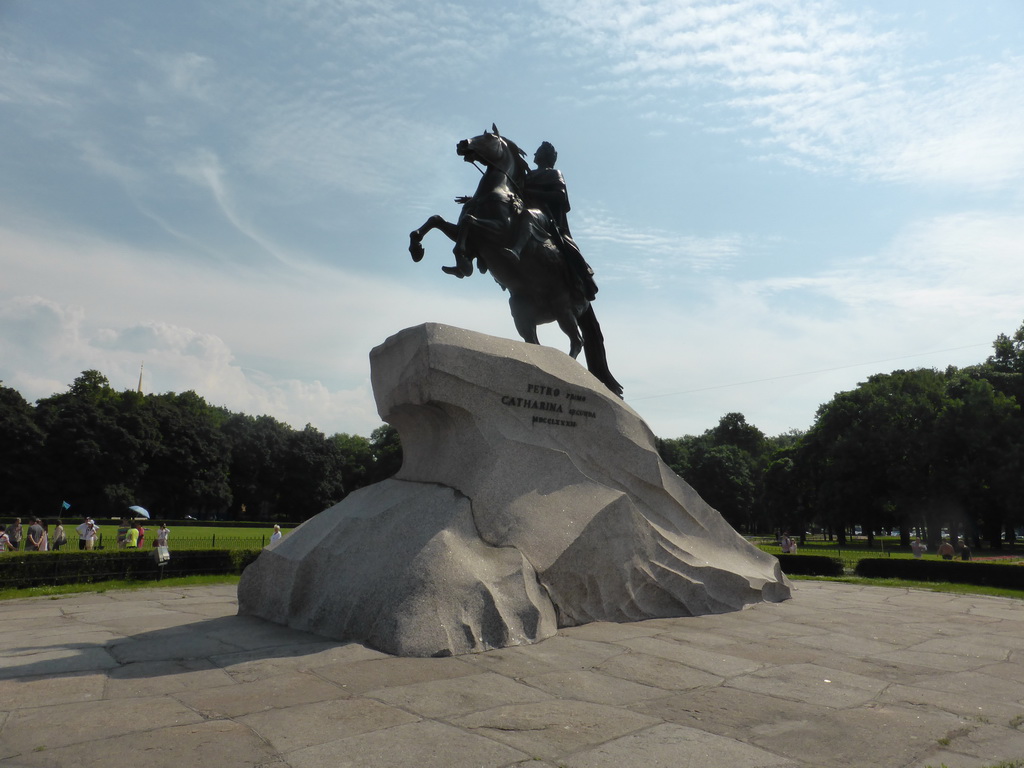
[841, 675]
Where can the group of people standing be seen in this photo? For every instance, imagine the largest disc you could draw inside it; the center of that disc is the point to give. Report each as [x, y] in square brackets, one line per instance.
[131, 535]
[36, 538]
[946, 550]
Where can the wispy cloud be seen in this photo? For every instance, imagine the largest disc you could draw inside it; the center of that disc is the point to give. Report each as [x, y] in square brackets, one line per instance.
[654, 256]
[41, 79]
[830, 89]
[962, 265]
[205, 170]
[185, 73]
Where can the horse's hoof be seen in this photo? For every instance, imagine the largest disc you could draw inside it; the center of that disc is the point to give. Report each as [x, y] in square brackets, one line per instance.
[416, 249]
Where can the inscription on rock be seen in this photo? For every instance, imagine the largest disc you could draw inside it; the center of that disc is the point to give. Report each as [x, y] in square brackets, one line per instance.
[539, 397]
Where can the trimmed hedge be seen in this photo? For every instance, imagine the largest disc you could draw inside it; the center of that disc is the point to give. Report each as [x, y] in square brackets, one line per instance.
[810, 565]
[35, 569]
[955, 571]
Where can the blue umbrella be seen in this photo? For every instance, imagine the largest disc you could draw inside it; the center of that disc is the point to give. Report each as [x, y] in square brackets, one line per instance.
[140, 512]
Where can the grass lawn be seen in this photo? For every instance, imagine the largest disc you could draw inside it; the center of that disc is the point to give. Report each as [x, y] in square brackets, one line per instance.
[184, 537]
[857, 549]
[191, 536]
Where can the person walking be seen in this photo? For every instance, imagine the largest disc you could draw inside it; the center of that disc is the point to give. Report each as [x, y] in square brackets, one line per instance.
[14, 532]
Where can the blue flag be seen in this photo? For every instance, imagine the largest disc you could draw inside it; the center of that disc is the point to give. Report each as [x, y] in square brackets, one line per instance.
[65, 505]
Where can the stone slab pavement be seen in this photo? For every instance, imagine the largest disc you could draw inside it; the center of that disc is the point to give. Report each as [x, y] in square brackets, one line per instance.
[841, 675]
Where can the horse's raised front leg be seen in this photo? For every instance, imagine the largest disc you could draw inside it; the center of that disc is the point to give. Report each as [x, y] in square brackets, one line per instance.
[434, 222]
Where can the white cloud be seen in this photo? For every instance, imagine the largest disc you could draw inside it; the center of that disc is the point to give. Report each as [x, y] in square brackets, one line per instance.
[656, 256]
[293, 342]
[829, 89]
[962, 265]
[937, 294]
[41, 78]
[57, 348]
[188, 73]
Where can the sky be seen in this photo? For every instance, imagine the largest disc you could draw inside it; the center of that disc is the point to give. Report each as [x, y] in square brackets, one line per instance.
[779, 198]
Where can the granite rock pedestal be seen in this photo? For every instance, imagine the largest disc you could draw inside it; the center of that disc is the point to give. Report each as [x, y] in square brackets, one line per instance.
[530, 497]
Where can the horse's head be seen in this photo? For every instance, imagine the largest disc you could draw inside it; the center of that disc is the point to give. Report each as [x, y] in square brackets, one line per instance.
[492, 149]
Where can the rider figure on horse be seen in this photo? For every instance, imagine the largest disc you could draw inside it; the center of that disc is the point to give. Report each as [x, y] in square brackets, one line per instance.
[544, 188]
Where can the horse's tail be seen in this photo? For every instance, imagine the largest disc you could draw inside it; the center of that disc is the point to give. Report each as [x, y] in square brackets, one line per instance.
[593, 348]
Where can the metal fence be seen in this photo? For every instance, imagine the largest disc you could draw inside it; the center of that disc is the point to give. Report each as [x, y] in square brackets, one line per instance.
[210, 541]
[213, 541]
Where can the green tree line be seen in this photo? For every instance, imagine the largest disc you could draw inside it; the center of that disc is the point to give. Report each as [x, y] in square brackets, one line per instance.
[915, 451]
[920, 451]
[102, 450]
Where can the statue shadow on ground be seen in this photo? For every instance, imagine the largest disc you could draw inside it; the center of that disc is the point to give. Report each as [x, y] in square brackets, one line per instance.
[208, 643]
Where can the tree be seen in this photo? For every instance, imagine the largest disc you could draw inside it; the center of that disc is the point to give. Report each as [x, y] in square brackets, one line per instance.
[257, 447]
[874, 447]
[311, 475]
[88, 457]
[356, 457]
[1008, 353]
[724, 465]
[922, 449]
[983, 436]
[92, 386]
[723, 476]
[188, 467]
[733, 429]
[386, 447]
[786, 493]
[176, 454]
[21, 453]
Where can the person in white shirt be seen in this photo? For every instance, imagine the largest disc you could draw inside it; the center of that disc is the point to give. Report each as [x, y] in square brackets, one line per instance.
[87, 533]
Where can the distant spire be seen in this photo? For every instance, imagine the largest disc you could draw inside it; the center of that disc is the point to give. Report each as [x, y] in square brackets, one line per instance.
[141, 366]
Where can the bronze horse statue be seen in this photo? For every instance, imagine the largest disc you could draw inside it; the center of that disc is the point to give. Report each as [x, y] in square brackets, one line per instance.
[541, 284]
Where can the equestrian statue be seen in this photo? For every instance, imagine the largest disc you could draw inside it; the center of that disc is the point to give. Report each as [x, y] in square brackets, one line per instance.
[515, 226]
